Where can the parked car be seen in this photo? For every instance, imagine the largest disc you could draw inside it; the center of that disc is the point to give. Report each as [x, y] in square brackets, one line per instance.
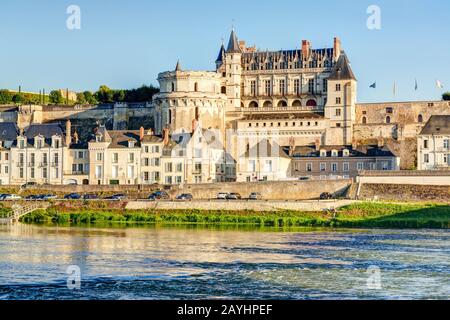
[326, 196]
[255, 196]
[72, 196]
[46, 197]
[185, 197]
[117, 197]
[222, 195]
[28, 184]
[234, 196]
[304, 178]
[90, 197]
[10, 197]
[159, 195]
[32, 197]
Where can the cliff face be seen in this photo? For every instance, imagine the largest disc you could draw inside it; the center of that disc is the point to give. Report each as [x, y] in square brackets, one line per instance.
[397, 192]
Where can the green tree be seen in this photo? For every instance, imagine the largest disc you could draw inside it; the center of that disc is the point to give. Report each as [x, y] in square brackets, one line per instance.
[18, 98]
[119, 96]
[104, 94]
[446, 96]
[5, 97]
[56, 97]
[81, 99]
[89, 97]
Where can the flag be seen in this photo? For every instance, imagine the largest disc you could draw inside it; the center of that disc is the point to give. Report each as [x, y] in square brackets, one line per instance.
[417, 86]
[373, 86]
[439, 84]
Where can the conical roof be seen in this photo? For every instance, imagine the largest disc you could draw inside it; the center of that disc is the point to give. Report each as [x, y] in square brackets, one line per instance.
[342, 69]
[233, 44]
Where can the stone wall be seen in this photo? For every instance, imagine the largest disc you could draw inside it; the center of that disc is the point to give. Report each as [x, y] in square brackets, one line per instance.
[399, 192]
[289, 190]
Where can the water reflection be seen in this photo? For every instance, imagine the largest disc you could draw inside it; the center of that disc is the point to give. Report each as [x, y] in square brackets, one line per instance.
[213, 262]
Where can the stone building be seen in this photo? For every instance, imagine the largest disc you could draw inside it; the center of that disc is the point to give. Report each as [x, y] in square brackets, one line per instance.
[433, 144]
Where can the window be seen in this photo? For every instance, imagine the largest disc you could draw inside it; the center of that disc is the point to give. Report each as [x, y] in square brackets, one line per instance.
[169, 180]
[334, 167]
[364, 120]
[268, 166]
[21, 159]
[32, 159]
[323, 167]
[420, 118]
[44, 159]
[282, 87]
[44, 173]
[309, 167]
[252, 165]
[22, 144]
[426, 158]
[196, 87]
[323, 153]
[268, 87]
[173, 87]
[99, 156]
[311, 86]
[338, 87]
[360, 166]
[389, 110]
[32, 173]
[178, 179]
[131, 157]
[388, 120]
[168, 167]
[57, 144]
[198, 168]
[253, 88]
[325, 85]
[115, 158]
[115, 172]
[334, 153]
[98, 172]
[346, 167]
[21, 173]
[6, 169]
[131, 144]
[297, 86]
[56, 159]
[425, 144]
[338, 100]
[446, 143]
[146, 176]
[338, 112]
[179, 167]
[130, 171]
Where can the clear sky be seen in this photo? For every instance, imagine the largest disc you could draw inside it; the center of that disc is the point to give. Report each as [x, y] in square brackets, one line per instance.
[125, 44]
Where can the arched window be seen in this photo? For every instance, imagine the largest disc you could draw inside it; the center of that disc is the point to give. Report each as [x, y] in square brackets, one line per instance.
[268, 104]
[282, 103]
[173, 87]
[364, 120]
[253, 104]
[388, 119]
[420, 118]
[297, 103]
[196, 87]
[311, 103]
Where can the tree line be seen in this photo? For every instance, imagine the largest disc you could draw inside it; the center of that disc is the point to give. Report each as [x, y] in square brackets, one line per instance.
[103, 95]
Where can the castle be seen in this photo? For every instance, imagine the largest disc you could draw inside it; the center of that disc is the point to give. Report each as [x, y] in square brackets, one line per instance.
[260, 115]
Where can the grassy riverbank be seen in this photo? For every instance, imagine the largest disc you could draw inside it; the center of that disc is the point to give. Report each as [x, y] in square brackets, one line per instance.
[365, 214]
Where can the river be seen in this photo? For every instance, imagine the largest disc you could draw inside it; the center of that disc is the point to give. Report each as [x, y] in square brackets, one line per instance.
[222, 263]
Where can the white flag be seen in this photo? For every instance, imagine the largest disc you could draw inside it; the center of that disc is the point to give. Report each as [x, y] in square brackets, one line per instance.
[439, 84]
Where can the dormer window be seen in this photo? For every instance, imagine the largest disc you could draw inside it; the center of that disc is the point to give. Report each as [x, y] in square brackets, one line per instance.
[56, 143]
[22, 143]
[334, 153]
[346, 153]
[38, 143]
[323, 153]
[131, 144]
[98, 138]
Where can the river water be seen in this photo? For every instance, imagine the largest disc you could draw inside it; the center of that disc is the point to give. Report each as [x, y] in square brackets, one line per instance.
[216, 263]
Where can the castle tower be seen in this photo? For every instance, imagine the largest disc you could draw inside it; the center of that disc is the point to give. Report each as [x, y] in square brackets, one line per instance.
[341, 101]
[233, 72]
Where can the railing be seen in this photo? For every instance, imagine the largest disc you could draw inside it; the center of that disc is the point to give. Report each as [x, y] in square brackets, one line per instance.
[280, 109]
[404, 173]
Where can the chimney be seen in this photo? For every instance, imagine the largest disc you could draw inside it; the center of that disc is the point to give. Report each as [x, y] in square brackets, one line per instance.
[354, 144]
[141, 133]
[242, 45]
[336, 48]
[68, 133]
[380, 142]
[318, 144]
[306, 46]
[166, 138]
[194, 125]
[150, 132]
[75, 137]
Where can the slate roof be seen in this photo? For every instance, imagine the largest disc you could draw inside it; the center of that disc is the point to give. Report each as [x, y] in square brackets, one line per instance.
[266, 149]
[220, 55]
[45, 130]
[8, 131]
[360, 151]
[437, 125]
[233, 44]
[342, 69]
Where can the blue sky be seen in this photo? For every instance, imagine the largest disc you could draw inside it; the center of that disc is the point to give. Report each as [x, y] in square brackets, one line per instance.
[125, 44]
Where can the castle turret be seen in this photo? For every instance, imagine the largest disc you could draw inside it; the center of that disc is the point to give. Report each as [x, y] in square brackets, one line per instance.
[233, 72]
